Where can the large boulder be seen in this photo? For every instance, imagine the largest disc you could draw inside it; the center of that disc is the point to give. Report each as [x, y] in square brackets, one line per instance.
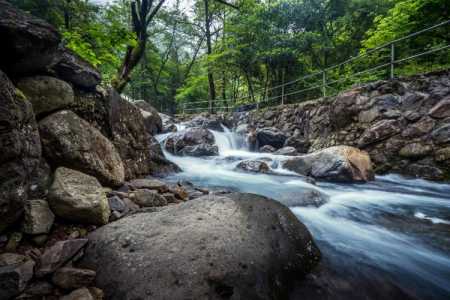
[339, 163]
[46, 94]
[70, 67]
[28, 43]
[20, 150]
[78, 197]
[152, 120]
[72, 142]
[122, 123]
[192, 141]
[129, 135]
[238, 246]
[270, 136]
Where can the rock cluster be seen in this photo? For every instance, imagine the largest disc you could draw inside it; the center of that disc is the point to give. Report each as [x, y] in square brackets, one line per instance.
[65, 142]
[404, 124]
[79, 210]
[193, 141]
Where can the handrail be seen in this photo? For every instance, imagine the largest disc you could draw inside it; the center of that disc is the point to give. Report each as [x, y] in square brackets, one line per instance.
[324, 84]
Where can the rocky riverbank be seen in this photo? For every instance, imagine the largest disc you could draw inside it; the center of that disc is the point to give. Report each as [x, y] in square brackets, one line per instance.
[82, 218]
[403, 124]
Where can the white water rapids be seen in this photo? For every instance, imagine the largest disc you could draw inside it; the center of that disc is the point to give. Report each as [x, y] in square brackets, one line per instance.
[394, 227]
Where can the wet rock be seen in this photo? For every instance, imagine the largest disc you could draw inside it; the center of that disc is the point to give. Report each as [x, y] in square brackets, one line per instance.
[209, 249]
[46, 94]
[168, 123]
[442, 134]
[149, 183]
[148, 198]
[73, 278]
[38, 218]
[382, 130]
[15, 272]
[303, 198]
[441, 110]
[116, 204]
[152, 119]
[339, 163]
[28, 43]
[270, 136]
[72, 142]
[424, 171]
[58, 255]
[287, 151]
[70, 67]
[212, 122]
[79, 294]
[253, 166]
[192, 141]
[415, 150]
[299, 143]
[19, 145]
[78, 197]
[267, 149]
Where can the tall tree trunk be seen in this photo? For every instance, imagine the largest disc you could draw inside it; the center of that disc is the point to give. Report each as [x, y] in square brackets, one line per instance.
[141, 16]
[250, 87]
[212, 88]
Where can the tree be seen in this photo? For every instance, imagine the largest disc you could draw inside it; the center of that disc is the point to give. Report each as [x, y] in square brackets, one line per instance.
[142, 14]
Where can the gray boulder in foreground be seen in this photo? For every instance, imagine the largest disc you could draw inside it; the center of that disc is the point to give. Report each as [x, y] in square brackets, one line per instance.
[238, 246]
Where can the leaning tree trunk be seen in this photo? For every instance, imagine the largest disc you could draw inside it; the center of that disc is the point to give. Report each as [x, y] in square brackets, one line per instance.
[212, 88]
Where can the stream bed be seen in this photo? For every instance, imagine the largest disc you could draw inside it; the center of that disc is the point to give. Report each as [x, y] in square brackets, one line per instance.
[386, 239]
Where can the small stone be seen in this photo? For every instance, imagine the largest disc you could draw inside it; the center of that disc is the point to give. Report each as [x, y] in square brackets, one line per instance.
[115, 215]
[170, 198]
[267, 149]
[15, 272]
[40, 288]
[73, 278]
[116, 204]
[441, 110]
[13, 242]
[40, 240]
[38, 218]
[79, 294]
[97, 293]
[57, 255]
[148, 198]
[442, 154]
[415, 150]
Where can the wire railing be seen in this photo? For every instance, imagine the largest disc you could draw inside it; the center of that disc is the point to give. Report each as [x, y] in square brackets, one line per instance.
[383, 62]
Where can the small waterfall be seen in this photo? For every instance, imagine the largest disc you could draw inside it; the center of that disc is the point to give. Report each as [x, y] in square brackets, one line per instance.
[228, 141]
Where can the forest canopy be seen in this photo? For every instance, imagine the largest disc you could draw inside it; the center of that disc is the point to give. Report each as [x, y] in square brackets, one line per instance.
[191, 51]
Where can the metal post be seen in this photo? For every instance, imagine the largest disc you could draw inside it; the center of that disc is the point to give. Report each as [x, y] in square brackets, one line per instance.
[392, 61]
[324, 84]
[184, 108]
[282, 88]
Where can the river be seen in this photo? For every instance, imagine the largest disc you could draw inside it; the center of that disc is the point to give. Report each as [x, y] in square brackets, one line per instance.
[393, 229]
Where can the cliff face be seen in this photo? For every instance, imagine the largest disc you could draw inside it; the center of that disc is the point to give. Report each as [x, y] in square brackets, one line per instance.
[404, 124]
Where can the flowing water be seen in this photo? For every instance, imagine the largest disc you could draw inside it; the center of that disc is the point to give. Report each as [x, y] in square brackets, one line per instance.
[393, 228]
